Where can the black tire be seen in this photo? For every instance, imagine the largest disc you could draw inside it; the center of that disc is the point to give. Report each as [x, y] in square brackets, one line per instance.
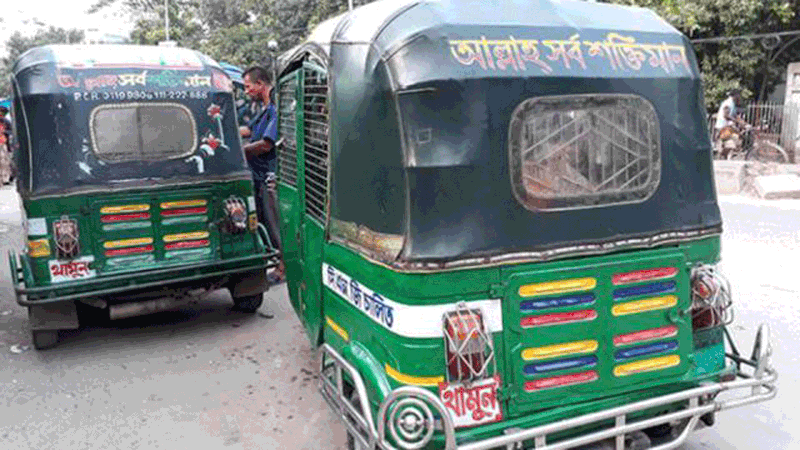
[248, 303]
[44, 339]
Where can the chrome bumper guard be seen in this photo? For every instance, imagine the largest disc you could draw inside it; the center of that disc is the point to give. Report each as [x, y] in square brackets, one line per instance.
[411, 414]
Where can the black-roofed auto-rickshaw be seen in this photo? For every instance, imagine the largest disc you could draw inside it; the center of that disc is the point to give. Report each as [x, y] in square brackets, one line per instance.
[135, 191]
[500, 227]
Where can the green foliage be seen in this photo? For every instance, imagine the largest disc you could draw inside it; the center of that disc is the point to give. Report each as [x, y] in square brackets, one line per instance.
[749, 64]
[17, 44]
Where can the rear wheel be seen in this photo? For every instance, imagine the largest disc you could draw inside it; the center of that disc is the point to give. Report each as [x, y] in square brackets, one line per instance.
[248, 303]
[44, 339]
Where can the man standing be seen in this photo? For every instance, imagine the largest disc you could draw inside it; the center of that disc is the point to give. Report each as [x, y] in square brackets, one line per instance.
[260, 136]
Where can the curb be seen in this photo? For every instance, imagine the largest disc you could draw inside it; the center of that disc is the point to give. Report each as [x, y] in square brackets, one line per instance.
[735, 177]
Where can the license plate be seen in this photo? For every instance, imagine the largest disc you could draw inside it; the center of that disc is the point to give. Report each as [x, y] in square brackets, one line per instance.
[76, 269]
[473, 404]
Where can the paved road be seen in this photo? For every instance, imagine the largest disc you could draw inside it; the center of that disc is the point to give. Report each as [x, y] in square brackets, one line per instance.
[206, 377]
[202, 377]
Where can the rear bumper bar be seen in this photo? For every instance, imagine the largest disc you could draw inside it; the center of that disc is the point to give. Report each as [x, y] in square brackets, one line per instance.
[755, 382]
[117, 284]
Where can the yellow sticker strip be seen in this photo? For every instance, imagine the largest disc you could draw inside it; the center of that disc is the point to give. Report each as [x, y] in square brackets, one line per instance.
[186, 236]
[124, 209]
[337, 329]
[648, 304]
[183, 204]
[128, 242]
[557, 287]
[648, 365]
[553, 351]
[39, 248]
[412, 380]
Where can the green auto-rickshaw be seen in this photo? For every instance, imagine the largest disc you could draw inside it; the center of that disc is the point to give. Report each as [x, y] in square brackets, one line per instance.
[500, 227]
[135, 191]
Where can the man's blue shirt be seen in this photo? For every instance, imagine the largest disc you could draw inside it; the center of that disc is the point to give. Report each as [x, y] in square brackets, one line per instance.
[264, 127]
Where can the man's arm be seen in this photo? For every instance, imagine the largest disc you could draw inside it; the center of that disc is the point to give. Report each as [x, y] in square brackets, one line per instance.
[258, 148]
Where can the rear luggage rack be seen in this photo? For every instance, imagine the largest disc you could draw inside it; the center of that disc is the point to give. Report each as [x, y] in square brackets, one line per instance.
[754, 385]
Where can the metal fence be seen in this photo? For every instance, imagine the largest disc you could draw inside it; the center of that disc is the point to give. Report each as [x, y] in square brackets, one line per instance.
[778, 123]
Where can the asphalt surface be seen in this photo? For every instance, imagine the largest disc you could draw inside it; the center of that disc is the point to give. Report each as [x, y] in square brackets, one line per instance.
[206, 377]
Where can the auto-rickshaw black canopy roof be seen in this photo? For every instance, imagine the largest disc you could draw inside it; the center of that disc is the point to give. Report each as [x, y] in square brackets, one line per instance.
[478, 61]
[95, 117]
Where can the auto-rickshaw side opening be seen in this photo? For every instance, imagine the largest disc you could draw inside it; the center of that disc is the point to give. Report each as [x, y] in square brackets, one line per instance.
[519, 237]
[134, 186]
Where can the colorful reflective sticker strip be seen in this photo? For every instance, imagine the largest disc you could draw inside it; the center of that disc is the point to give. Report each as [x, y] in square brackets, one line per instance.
[561, 364]
[129, 251]
[648, 365]
[128, 242]
[124, 209]
[39, 248]
[188, 254]
[645, 335]
[554, 351]
[183, 204]
[184, 211]
[558, 302]
[647, 289]
[337, 329]
[648, 304]
[186, 236]
[412, 380]
[644, 275]
[124, 217]
[123, 226]
[646, 350]
[557, 287]
[187, 244]
[559, 318]
[561, 381]
[184, 219]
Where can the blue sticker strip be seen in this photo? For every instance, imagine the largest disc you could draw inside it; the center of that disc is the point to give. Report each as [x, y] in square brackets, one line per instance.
[647, 289]
[646, 350]
[558, 302]
[561, 364]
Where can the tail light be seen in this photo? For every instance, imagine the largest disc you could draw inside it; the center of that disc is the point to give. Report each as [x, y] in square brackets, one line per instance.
[468, 348]
[235, 215]
[711, 298]
[66, 236]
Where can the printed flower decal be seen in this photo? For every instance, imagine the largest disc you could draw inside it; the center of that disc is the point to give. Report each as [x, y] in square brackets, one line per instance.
[214, 111]
[212, 141]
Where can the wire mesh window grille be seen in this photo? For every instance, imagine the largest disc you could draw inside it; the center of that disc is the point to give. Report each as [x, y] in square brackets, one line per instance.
[287, 151]
[315, 126]
[581, 151]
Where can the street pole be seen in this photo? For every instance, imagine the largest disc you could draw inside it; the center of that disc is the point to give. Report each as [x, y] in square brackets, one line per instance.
[166, 18]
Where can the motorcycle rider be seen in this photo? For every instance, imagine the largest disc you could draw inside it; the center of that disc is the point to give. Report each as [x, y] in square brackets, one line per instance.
[727, 120]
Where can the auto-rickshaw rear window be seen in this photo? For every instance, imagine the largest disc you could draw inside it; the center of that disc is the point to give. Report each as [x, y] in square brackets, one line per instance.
[581, 151]
[142, 132]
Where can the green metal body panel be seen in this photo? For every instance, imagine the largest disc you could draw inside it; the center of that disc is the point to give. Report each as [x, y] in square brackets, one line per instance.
[97, 236]
[424, 358]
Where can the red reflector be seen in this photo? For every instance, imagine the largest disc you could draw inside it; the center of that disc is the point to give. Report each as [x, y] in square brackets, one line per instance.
[124, 217]
[185, 211]
[129, 251]
[561, 381]
[464, 345]
[644, 275]
[187, 244]
[645, 335]
[559, 318]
